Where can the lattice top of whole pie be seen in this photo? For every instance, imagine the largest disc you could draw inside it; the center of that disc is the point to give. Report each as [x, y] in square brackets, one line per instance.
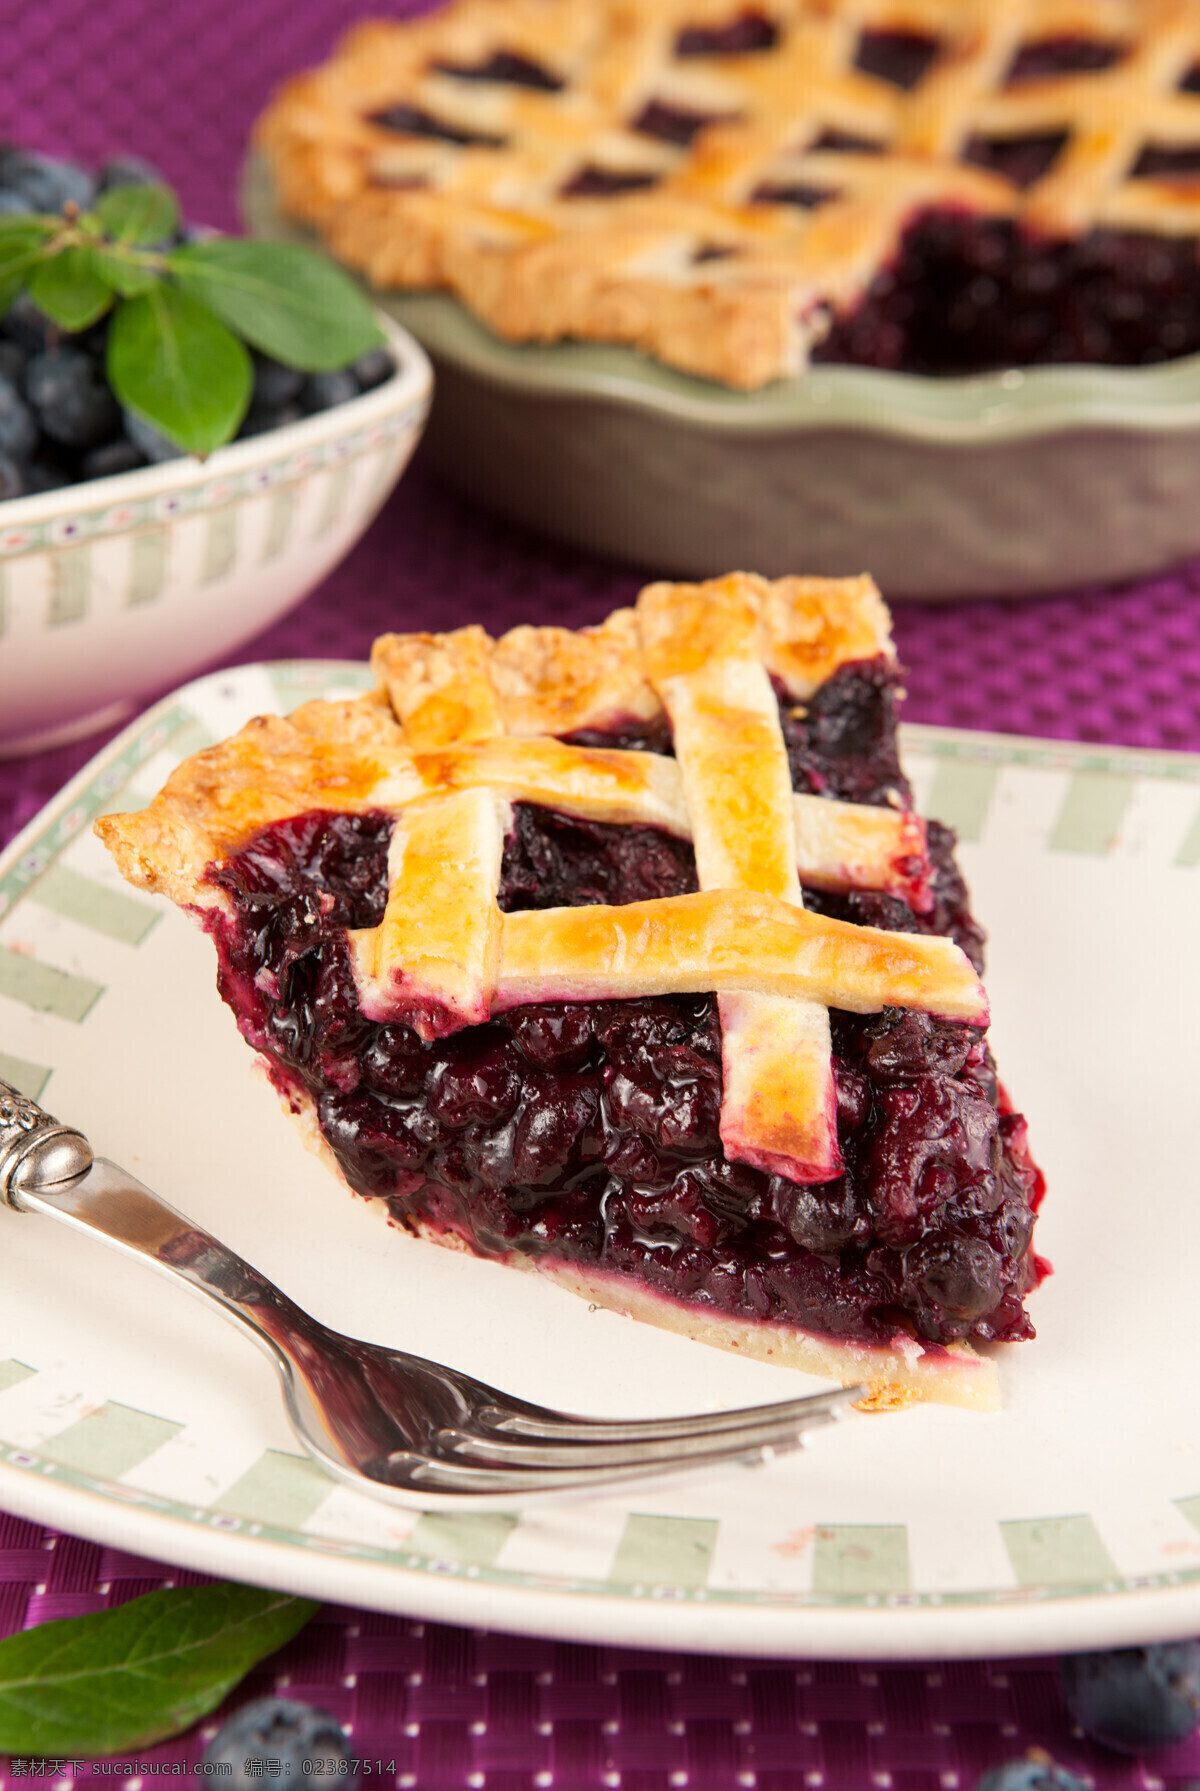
[463, 726]
[710, 179]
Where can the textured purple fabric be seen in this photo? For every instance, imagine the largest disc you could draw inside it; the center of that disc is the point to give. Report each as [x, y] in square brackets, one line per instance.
[461, 1709]
[181, 85]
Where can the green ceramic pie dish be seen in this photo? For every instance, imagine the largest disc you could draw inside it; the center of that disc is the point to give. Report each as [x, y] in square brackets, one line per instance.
[1005, 484]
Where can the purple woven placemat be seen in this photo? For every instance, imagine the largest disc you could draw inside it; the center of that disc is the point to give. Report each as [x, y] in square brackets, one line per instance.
[459, 1709]
[455, 1708]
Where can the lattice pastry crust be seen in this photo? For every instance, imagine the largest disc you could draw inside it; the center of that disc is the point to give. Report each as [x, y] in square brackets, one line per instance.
[462, 726]
[710, 179]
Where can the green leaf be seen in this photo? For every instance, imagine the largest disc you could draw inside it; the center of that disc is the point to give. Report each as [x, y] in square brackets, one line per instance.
[284, 299]
[22, 247]
[128, 271]
[28, 223]
[138, 214]
[148, 1669]
[69, 287]
[179, 367]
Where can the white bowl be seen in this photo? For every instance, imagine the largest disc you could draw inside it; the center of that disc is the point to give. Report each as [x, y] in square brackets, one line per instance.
[115, 588]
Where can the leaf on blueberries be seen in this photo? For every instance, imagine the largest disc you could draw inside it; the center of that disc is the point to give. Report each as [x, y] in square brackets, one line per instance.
[27, 223]
[138, 214]
[70, 288]
[127, 272]
[286, 300]
[177, 366]
[22, 247]
[127, 1677]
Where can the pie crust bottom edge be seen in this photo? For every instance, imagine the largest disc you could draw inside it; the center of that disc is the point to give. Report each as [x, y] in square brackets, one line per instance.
[896, 1375]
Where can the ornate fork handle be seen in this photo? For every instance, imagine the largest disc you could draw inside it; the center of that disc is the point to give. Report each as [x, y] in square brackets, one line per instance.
[37, 1152]
[44, 1167]
[49, 1168]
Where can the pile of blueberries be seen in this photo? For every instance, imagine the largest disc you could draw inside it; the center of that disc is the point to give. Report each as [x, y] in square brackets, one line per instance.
[1130, 1699]
[59, 422]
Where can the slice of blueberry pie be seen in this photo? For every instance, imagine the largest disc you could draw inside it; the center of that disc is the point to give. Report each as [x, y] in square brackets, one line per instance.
[737, 186]
[620, 954]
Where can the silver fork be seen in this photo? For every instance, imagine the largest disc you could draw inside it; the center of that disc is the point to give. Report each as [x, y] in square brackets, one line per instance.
[395, 1426]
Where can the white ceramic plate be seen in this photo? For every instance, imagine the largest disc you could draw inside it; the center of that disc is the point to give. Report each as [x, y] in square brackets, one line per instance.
[1071, 1518]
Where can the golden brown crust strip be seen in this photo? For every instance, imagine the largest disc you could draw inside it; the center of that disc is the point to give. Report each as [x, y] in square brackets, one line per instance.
[719, 265]
[463, 688]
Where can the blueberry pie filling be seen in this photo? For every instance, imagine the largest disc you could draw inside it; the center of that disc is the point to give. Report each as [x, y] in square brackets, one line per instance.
[614, 1140]
[934, 187]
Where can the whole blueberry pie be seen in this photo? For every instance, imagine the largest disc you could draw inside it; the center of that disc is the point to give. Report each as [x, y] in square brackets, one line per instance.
[740, 186]
[620, 954]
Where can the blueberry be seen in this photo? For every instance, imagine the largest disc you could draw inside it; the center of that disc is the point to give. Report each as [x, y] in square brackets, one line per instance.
[1133, 1699]
[291, 1740]
[18, 431]
[117, 456]
[12, 479]
[72, 403]
[321, 391]
[12, 361]
[25, 325]
[148, 440]
[274, 384]
[963, 1276]
[372, 368]
[1036, 1772]
[129, 171]
[46, 475]
[45, 183]
[260, 419]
